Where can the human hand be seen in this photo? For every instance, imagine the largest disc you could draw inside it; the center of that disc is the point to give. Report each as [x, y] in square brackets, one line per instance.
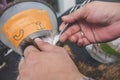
[3, 3]
[98, 21]
[51, 63]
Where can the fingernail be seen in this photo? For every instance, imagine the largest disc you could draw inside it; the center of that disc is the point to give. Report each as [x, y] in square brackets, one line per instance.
[60, 28]
[64, 17]
[37, 40]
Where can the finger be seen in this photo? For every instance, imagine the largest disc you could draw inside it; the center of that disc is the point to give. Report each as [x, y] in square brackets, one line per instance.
[83, 42]
[21, 63]
[62, 26]
[21, 69]
[69, 32]
[77, 37]
[30, 50]
[80, 42]
[86, 42]
[73, 39]
[77, 15]
[43, 46]
[31, 55]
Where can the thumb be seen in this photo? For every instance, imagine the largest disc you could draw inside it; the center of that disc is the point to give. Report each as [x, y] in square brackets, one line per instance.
[43, 46]
[74, 16]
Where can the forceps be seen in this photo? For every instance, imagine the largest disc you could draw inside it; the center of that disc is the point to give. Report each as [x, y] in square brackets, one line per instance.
[74, 8]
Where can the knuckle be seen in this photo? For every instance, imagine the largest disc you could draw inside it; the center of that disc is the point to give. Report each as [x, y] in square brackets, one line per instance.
[28, 48]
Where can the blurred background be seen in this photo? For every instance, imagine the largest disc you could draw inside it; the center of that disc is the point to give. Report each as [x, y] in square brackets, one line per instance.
[60, 6]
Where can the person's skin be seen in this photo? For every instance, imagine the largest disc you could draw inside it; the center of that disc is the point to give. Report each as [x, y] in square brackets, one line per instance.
[99, 21]
[51, 63]
[3, 3]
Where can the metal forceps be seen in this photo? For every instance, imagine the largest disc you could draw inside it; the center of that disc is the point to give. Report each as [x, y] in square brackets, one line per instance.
[74, 8]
